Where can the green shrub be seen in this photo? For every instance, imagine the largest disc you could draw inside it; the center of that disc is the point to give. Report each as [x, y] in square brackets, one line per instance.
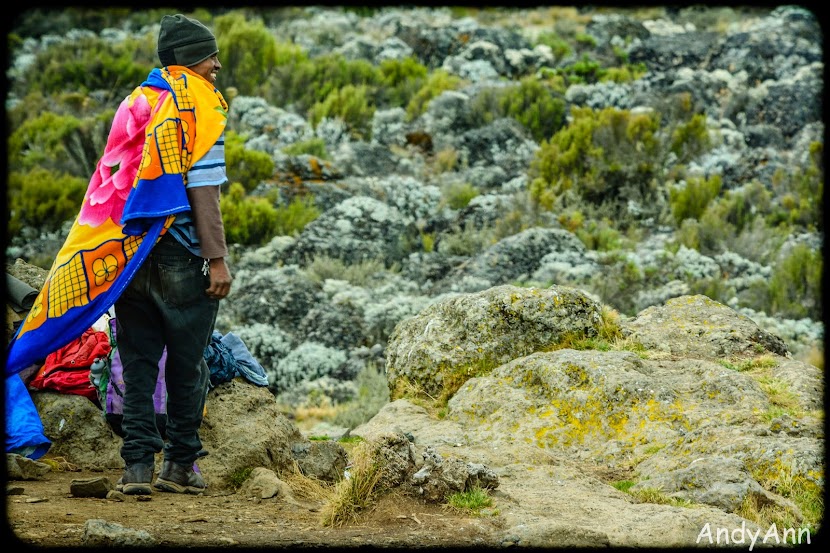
[624, 74]
[689, 234]
[29, 107]
[714, 288]
[606, 157]
[291, 219]
[472, 500]
[427, 241]
[401, 80]
[247, 221]
[362, 11]
[301, 83]
[248, 167]
[314, 147]
[437, 82]
[600, 235]
[740, 207]
[623, 485]
[37, 22]
[800, 194]
[372, 394]
[690, 139]
[87, 144]
[584, 70]
[692, 200]
[571, 220]
[760, 242]
[522, 216]
[457, 195]
[736, 219]
[534, 105]
[76, 104]
[352, 105]
[247, 50]
[618, 281]
[238, 477]
[91, 63]
[558, 45]
[585, 39]
[714, 233]
[62, 143]
[41, 141]
[756, 296]
[590, 71]
[485, 106]
[795, 284]
[43, 199]
[620, 53]
[445, 160]
[554, 79]
[323, 267]
[467, 241]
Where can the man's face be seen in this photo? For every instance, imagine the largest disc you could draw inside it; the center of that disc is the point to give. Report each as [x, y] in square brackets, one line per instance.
[208, 68]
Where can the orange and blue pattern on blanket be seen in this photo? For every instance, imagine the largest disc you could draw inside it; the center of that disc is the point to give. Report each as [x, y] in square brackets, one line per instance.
[166, 124]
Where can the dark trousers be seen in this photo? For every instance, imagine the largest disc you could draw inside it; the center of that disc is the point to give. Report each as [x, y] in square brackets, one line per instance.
[165, 305]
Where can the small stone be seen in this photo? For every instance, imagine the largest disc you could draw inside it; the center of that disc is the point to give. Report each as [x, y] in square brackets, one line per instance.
[98, 486]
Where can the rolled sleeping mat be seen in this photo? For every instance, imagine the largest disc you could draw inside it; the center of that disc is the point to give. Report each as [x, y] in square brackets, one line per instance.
[21, 295]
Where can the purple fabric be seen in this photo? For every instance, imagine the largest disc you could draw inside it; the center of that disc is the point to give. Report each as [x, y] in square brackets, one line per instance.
[115, 387]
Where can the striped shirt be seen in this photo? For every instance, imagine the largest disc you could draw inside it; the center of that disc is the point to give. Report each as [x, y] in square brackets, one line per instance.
[208, 171]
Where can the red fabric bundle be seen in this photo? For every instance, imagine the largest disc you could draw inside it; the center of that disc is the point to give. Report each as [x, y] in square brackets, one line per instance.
[67, 369]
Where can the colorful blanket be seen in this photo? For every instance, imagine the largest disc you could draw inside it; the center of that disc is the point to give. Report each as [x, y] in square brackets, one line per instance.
[169, 122]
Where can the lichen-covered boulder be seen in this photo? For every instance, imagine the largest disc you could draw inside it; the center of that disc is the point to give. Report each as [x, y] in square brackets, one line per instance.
[355, 230]
[697, 326]
[468, 335]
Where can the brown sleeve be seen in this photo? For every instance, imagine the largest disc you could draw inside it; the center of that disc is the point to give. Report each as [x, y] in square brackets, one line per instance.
[204, 205]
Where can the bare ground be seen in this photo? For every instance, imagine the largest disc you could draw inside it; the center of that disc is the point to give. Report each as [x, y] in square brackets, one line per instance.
[46, 514]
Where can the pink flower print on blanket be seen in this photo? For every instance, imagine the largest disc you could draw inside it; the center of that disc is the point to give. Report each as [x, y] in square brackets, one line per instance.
[116, 170]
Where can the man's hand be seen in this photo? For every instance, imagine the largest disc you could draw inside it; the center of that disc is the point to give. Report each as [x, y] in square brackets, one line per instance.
[220, 279]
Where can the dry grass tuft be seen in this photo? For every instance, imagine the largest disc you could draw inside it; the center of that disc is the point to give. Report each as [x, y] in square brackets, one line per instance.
[357, 491]
[306, 487]
[59, 464]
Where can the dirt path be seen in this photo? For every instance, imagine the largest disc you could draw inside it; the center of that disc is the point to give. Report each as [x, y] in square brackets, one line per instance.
[46, 514]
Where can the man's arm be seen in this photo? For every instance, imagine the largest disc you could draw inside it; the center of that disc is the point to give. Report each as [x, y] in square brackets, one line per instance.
[204, 204]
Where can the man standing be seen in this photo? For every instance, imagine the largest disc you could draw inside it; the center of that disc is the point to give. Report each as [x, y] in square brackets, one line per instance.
[173, 299]
[149, 240]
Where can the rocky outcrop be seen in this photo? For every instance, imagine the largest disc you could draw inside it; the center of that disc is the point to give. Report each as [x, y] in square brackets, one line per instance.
[468, 334]
[243, 428]
[698, 327]
[689, 404]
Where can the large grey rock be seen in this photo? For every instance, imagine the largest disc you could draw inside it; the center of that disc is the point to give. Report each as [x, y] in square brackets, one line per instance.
[78, 430]
[470, 334]
[244, 428]
[357, 229]
[697, 326]
[19, 467]
[519, 256]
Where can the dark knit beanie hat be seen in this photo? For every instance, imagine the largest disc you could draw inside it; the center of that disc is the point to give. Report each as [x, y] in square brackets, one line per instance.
[184, 41]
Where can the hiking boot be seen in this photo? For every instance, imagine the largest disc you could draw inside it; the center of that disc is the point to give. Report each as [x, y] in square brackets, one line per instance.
[136, 480]
[178, 478]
